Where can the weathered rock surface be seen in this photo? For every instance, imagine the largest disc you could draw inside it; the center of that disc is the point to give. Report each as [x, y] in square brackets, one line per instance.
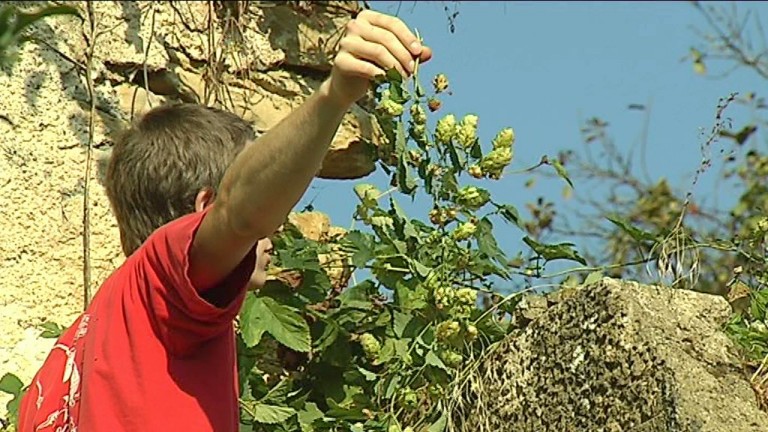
[616, 356]
[258, 59]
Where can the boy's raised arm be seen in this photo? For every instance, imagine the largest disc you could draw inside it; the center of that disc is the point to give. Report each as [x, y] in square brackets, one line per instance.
[270, 175]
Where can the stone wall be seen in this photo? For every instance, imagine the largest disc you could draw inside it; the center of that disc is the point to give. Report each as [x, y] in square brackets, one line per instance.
[258, 59]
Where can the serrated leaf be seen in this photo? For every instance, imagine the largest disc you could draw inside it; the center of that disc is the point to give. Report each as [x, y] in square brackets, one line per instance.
[433, 360]
[593, 277]
[486, 242]
[362, 245]
[271, 414]
[358, 296]
[636, 233]
[406, 184]
[556, 251]
[308, 415]
[11, 384]
[264, 314]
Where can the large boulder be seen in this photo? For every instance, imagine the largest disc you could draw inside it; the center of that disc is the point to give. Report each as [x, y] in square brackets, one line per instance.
[614, 356]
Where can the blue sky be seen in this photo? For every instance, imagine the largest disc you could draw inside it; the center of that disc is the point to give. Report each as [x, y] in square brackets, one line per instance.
[545, 67]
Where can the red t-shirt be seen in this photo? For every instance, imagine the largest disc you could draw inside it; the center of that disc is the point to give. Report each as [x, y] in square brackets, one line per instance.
[151, 352]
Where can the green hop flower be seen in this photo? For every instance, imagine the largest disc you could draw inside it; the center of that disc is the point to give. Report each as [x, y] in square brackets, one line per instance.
[410, 398]
[504, 139]
[445, 129]
[418, 132]
[371, 345]
[472, 197]
[390, 108]
[467, 131]
[440, 83]
[471, 333]
[418, 115]
[476, 172]
[464, 231]
[466, 296]
[496, 160]
[447, 329]
[451, 358]
[394, 428]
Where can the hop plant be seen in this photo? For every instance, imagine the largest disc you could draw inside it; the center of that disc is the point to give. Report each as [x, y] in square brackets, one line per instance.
[471, 333]
[418, 132]
[476, 172]
[410, 398]
[446, 330]
[464, 231]
[434, 104]
[445, 129]
[466, 296]
[418, 115]
[390, 108]
[466, 134]
[495, 161]
[504, 139]
[371, 345]
[472, 197]
[440, 83]
[451, 358]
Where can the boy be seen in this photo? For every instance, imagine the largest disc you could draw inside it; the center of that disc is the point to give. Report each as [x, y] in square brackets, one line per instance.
[196, 201]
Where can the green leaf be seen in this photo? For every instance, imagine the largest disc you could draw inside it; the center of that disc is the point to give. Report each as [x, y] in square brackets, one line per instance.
[406, 184]
[636, 233]
[555, 252]
[593, 277]
[433, 360]
[456, 160]
[271, 414]
[486, 242]
[362, 245]
[11, 384]
[308, 415]
[439, 425]
[509, 212]
[51, 330]
[358, 296]
[264, 314]
[561, 171]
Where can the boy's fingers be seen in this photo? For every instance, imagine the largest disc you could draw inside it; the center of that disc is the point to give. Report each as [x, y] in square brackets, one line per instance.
[387, 40]
[351, 65]
[395, 26]
[373, 52]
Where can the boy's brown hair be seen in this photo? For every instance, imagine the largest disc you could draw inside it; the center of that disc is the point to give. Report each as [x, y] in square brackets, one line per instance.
[161, 162]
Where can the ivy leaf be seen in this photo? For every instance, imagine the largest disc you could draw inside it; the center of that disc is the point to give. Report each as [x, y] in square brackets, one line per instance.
[555, 252]
[270, 414]
[561, 171]
[11, 384]
[264, 314]
[636, 233]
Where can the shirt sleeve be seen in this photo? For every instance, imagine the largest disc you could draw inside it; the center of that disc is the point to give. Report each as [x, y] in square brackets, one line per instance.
[184, 316]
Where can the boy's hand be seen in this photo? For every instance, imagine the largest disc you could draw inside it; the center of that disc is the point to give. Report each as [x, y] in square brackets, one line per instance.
[373, 43]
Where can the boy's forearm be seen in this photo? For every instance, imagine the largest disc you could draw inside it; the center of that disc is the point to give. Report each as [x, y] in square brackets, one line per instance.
[270, 175]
